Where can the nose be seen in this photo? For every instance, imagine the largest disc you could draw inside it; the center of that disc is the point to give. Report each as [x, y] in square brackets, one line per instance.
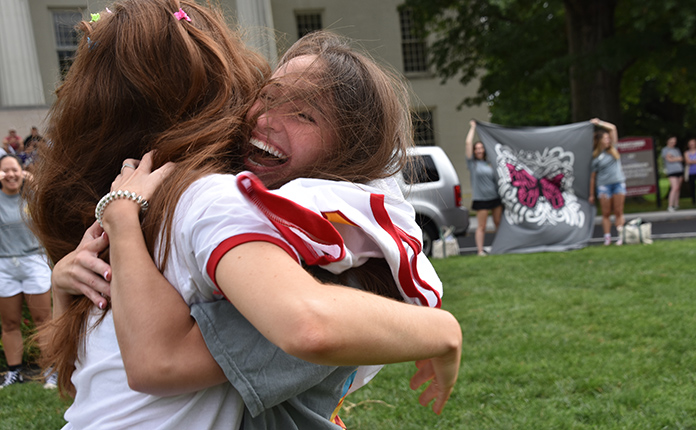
[266, 120]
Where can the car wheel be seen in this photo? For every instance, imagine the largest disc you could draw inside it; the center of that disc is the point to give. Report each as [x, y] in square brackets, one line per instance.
[430, 233]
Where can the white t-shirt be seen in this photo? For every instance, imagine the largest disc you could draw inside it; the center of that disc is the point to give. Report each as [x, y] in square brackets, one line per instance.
[337, 225]
[217, 213]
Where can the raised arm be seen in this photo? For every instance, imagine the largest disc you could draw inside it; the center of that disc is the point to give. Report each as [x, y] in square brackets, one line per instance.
[470, 139]
[609, 126]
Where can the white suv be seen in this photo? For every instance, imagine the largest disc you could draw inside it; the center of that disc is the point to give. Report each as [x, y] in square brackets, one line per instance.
[432, 186]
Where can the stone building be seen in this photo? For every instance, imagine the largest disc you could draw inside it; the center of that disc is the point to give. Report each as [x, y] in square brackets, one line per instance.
[37, 39]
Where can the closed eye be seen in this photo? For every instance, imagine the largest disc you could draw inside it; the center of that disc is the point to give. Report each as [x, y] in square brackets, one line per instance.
[306, 117]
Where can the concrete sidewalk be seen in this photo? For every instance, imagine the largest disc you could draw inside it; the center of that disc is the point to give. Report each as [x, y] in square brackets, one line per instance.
[656, 216]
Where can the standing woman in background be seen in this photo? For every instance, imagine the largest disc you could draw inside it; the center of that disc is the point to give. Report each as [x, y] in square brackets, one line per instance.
[24, 272]
[690, 160]
[607, 178]
[483, 186]
[674, 169]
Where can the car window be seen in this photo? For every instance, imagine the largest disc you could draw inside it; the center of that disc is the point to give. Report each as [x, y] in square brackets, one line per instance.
[420, 169]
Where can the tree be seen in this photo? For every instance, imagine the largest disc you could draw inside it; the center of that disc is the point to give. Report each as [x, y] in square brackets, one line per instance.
[558, 61]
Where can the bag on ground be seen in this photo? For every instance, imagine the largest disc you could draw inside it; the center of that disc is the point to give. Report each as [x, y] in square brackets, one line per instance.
[637, 231]
[447, 245]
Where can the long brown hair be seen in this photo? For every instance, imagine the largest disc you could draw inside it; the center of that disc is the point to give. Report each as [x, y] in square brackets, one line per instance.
[597, 145]
[141, 80]
[366, 105]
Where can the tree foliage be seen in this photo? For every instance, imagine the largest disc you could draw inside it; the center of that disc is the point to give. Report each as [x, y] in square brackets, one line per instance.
[558, 61]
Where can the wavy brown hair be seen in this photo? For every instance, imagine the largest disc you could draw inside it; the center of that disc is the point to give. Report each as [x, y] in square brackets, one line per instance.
[597, 145]
[141, 80]
[366, 105]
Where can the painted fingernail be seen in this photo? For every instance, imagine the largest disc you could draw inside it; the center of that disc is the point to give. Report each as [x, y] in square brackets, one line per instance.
[102, 305]
[107, 275]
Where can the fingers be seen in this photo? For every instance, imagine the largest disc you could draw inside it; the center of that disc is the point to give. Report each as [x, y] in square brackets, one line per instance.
[82, 272]
[166, 169]
[131, 163]
[94, 231]
[424, 374]
[436, 390]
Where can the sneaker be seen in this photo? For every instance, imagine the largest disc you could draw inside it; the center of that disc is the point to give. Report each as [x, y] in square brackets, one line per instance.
[670, 209]
[619, 242]
[51, 380]
[482, 254]
[12, 377]
[607, 240]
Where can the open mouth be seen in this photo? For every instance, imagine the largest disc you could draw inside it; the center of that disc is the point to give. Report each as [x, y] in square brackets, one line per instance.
[263, 154]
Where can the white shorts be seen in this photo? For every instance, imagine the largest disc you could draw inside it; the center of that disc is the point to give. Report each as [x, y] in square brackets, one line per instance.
[29, 275]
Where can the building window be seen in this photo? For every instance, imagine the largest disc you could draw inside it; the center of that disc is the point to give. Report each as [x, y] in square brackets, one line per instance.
[307, 22]
[423, 130]
[67, 38]
[412, 47]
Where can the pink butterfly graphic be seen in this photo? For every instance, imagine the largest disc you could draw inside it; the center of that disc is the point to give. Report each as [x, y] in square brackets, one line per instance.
[529, 188]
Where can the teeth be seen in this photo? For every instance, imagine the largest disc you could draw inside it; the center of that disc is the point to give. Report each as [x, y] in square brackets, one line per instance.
[267, 148]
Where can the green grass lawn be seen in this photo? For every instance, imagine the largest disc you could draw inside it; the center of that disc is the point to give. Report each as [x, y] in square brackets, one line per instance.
[600, 338]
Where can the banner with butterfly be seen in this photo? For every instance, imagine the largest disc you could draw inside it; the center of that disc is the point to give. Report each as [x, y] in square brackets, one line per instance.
[543, 176]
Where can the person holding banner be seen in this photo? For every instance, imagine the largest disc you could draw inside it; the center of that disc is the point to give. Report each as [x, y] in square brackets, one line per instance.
[607, 178]
[483, 186]
[674, 169]
[690, 160]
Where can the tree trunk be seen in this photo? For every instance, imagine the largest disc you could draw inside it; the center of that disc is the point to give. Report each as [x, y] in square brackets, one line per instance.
[595, 88]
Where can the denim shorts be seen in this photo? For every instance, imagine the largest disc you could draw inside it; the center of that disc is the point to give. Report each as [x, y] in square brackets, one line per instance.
[606, 191]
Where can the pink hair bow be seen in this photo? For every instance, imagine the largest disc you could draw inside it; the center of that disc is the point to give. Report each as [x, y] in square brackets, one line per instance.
[182, 15]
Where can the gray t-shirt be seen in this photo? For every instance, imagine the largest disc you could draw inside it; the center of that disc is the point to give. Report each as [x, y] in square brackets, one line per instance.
[280, 391]
[483, 185]
[674, 166]
[16, 240]
[608, 169]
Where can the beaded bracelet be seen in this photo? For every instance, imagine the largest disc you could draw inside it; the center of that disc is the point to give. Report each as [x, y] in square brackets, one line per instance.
[115, 195]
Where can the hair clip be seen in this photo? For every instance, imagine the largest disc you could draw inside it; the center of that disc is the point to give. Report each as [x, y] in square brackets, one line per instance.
[182, 15]
[108, 10]
[95, 17]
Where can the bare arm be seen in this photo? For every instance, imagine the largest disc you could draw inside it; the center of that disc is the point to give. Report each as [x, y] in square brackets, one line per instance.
[672, 158]
[470, 139]
[306, 327]
[159, 340]
[687, 158]
[610, 127]
[593, 179]
[300, 316]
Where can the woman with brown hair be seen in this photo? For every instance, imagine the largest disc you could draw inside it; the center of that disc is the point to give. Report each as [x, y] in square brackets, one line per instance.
[24, 274]
[607, 178]
[200, 157]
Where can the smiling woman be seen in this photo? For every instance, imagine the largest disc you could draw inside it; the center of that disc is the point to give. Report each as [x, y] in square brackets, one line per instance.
[23, 270]
[294, 134]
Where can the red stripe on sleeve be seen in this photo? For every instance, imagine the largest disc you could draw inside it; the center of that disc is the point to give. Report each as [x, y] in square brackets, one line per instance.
[408, 271]
[229, 243]
[286, 215]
